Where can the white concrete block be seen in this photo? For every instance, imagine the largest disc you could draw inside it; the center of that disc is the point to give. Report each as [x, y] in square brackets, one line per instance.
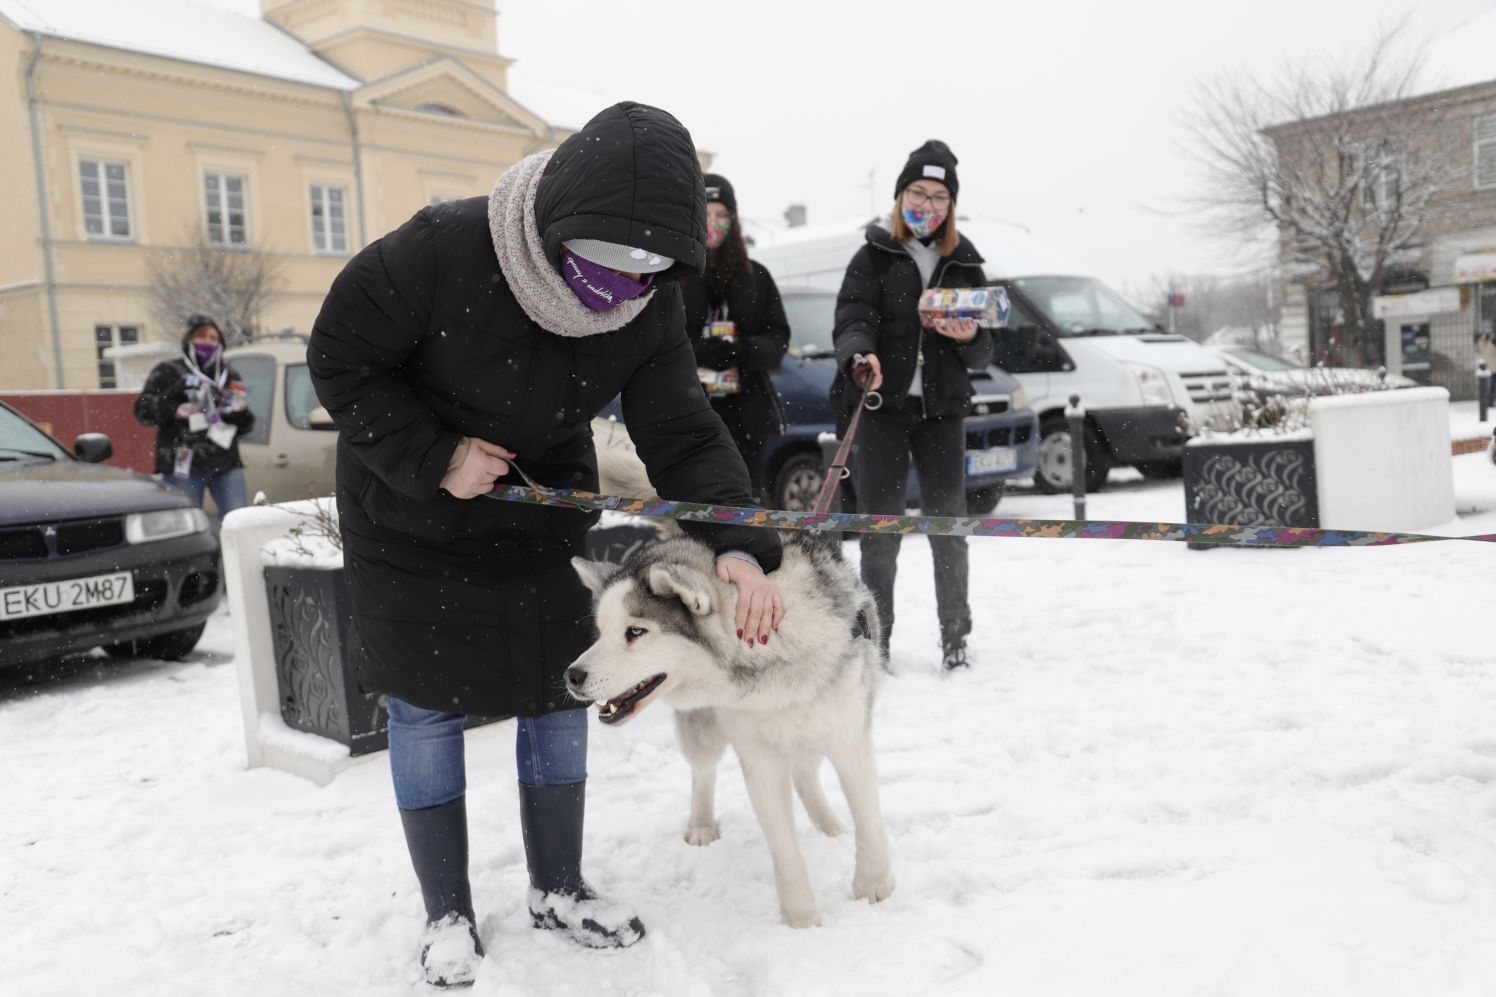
[1382, 460]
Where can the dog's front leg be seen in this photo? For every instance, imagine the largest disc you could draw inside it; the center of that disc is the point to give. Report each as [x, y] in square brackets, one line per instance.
[768, 776]
[872, 878]
[703, 742]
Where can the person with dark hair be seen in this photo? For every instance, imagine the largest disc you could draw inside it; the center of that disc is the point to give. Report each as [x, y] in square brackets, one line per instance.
[477, 340]
[200, 407]
[922, 376]
[739, 333]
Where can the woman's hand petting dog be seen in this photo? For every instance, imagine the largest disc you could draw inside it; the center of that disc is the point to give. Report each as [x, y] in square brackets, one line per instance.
[475, 465]
[759, 606]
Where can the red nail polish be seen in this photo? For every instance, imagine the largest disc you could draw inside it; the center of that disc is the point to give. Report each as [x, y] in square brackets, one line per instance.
[740, 635]
[763, 640]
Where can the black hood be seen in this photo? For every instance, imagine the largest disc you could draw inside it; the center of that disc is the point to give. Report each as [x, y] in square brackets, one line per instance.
[54, 491]
[630, 176]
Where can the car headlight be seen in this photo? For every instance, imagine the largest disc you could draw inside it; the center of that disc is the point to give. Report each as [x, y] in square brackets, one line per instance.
[1151, 382]
[1019, 399]
[164, 524]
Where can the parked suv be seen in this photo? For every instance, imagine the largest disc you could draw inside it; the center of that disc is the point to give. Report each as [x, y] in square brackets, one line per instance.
[93, 555]
[292, 450]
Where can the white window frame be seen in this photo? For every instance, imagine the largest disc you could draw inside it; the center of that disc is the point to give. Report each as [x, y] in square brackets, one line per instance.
[225, 238]
[116, 341]
[101, 166]
[325, 240]
[1477, 142]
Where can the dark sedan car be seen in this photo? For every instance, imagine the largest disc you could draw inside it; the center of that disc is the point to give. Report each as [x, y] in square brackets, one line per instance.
[93, 555]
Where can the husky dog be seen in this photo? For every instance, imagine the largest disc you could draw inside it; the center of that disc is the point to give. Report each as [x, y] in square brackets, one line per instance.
[667, 631]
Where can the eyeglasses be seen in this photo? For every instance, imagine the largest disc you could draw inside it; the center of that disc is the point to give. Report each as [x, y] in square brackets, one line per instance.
[919, 199]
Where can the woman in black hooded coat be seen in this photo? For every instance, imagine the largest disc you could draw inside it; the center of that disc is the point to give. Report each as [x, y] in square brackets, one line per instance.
[475, 334]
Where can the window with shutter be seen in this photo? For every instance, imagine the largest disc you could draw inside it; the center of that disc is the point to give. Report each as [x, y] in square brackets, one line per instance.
[1485, 152]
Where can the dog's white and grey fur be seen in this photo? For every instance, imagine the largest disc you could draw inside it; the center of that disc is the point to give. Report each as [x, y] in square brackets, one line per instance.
[667, 630]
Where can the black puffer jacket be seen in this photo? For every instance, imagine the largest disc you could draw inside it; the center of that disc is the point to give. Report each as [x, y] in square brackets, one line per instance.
[754, 306]
[473, 606]
[166, 387]
[877, 311]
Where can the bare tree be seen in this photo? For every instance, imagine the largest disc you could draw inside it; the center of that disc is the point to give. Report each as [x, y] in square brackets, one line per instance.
[232, 285]
[1343, 158]
[1247, 303]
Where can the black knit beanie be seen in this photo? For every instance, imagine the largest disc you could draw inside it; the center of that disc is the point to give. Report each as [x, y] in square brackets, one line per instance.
[718, 189]
[931, 161]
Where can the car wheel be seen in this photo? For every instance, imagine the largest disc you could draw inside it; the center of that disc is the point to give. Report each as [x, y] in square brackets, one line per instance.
[981, 501]
[172, 646]
[1161, 469]
[798, 483]
[1053, 473]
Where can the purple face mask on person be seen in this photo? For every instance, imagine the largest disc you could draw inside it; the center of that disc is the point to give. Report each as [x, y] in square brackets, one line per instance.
[598, 287]
[204, 352]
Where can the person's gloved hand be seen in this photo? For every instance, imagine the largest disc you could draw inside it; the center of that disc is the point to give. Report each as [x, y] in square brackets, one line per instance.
[716, 353]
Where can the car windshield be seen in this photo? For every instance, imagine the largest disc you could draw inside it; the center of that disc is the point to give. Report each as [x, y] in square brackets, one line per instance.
[812, 315]
[1262, 361]
[1083, 306]
[21, 441]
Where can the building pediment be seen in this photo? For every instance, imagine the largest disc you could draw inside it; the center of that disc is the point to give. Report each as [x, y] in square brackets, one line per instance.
[446, 87]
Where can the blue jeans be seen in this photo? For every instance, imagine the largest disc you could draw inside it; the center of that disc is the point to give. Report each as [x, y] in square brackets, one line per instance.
[426, 753]
[227, 488]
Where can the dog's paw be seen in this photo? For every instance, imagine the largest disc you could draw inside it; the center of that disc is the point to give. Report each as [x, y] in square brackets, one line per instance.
[801, 916]
[873, 886]
[703, 835]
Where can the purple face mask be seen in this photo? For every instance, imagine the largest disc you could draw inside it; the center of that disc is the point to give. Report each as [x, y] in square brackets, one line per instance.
[205, 353]
[598, 287]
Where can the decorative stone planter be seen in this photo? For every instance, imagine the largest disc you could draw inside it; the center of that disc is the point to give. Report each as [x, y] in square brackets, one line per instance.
[1251, 481]
[309, 618]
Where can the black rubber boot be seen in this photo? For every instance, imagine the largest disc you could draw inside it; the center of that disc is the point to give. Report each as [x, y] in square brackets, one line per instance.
[560, 899]
[953, 653]
[438, 843]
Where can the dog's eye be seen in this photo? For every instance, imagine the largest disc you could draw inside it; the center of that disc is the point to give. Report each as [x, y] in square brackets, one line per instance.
[634, 633]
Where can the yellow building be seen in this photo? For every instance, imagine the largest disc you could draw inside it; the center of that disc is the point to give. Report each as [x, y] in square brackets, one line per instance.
[138, 128]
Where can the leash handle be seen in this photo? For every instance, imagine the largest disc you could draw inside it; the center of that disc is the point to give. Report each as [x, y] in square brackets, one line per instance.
[837, 469]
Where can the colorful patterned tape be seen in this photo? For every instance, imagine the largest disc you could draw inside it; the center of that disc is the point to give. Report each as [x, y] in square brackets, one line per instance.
[966, 526]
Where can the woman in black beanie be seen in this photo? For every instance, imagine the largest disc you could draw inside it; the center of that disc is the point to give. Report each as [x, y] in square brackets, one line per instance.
[922, 375]
[739, 333]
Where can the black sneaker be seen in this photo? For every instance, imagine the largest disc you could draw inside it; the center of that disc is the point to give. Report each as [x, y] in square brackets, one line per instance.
[954, 655]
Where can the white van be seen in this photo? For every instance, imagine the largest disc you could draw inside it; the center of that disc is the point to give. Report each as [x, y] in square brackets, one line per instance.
[1068, 334]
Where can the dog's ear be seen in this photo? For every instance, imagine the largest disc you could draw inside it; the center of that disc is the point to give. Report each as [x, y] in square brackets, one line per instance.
[684, 583]
[594, 574]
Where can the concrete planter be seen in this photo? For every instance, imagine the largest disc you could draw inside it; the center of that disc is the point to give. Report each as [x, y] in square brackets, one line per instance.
[1376, 461]
[1262, 481]
[310, 618]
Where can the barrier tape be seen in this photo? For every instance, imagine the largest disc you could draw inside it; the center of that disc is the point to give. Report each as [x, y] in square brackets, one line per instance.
[1214, 534]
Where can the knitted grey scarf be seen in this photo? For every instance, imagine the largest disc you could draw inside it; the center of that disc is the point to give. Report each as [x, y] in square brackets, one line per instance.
[536, 282]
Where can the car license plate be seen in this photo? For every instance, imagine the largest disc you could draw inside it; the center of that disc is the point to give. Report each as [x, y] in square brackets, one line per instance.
[47, 598]
[989, 461]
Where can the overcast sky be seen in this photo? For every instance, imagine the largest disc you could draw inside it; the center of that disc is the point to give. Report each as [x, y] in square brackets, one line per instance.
[1065, 116]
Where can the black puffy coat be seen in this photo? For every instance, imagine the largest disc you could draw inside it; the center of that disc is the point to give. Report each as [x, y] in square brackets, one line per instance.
[754, 306]
[472, 606]
[166, 387]
[877, 311]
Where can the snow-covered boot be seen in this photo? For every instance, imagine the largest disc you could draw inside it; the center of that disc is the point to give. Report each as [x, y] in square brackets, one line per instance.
[551, 817]
[953, 653]
[438, 843]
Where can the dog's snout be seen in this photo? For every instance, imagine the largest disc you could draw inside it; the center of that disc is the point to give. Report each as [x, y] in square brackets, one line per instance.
[576, 676]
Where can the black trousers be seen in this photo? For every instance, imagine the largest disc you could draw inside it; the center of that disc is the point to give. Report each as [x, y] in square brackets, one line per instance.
[885, 441]
[749, 420]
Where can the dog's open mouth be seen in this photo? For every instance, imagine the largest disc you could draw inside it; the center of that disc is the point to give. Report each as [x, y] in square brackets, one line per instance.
[620, 708]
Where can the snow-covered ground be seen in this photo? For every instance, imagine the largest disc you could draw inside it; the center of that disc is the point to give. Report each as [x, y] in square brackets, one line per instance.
[1220, 773]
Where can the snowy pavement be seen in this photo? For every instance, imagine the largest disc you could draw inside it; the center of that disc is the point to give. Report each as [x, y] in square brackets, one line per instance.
[1219, 773]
